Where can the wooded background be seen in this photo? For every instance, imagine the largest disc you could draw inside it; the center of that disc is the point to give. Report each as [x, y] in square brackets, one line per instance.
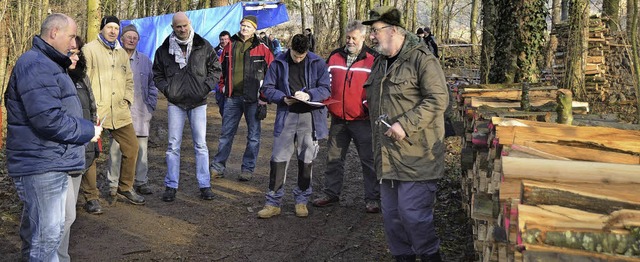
[511, 41]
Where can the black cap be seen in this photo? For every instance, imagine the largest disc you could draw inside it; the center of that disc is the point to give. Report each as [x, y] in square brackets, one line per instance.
[109, 19]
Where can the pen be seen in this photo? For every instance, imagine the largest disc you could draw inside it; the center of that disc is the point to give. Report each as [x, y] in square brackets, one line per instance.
[103, 119]
[303, 88]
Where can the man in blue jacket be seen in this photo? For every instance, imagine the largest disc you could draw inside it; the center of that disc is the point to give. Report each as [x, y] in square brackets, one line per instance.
[295, 80]
[46, 134]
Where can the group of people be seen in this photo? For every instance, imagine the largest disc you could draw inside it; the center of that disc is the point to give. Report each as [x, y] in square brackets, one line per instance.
[389, 100]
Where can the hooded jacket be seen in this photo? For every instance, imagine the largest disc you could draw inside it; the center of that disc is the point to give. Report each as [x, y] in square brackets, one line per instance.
[187, 87]
[45, 128]
[412, 92]
[111, 79]
[276, 88]
[347, 83]
[256, 61]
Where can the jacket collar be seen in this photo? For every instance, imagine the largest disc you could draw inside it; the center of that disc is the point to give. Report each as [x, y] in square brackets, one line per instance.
[198, 41]
[362, 55]
[255, 42]
[53, 54]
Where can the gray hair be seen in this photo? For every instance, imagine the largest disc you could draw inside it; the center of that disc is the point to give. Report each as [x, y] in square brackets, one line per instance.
[54, 21]
[402, 31]
[356, 25]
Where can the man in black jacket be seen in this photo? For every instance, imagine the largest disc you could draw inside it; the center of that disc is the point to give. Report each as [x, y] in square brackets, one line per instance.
[186, 69]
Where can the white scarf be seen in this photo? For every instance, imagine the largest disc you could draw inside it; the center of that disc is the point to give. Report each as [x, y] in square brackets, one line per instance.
[174, 48]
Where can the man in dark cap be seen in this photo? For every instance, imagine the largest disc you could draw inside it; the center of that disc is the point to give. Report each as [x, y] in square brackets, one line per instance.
[110, 74]
[408, 88]
[430, 40]
[244, 62]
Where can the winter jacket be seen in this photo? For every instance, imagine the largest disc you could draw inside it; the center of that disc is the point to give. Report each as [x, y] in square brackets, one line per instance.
[276, 88]
[144, 91]
[45, 128]
[256, 61]
[347, 83]
[89, 111]
[112, 82]
[187, 87]
[430, 41]
[412, 92]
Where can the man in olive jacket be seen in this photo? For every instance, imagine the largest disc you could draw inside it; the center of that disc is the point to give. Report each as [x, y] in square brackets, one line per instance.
[185, 70]
[408, 86]
[111, 78]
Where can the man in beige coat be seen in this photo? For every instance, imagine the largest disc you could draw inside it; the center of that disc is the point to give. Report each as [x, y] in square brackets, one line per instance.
[109, 69]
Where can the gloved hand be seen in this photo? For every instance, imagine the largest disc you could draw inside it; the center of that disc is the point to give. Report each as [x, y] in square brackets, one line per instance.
[261, 112]
[302, 96]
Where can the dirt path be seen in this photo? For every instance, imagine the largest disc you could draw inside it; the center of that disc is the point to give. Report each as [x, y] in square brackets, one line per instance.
[226, 229]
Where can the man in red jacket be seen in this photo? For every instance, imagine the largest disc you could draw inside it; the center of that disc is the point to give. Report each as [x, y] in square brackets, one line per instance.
[349, 67]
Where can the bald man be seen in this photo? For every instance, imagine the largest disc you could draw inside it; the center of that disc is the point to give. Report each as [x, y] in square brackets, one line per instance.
[185, 70]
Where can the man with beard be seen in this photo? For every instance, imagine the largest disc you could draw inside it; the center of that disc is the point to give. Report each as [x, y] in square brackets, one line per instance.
[407, 86]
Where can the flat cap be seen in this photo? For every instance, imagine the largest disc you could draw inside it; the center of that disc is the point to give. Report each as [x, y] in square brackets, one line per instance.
[386, 14]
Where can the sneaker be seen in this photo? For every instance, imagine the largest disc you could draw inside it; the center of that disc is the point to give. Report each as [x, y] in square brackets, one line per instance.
[214, 173]
[245, 176]
[144, 189]
[169, 194]
[93, 207]
[206, 193]
[131, 196]
[268, 212]
[372, 206]
[301, 210]
[325, 201]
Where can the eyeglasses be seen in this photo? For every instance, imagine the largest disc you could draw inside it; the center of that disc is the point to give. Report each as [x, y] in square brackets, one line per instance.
[128, 37]
[376, 30]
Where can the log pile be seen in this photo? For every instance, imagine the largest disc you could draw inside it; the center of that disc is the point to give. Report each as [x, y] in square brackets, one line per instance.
[540, 191]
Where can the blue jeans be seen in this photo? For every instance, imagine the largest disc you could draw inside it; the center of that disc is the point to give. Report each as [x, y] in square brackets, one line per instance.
[407, 213]
[198, 122]
[42, 224]
[234, 108]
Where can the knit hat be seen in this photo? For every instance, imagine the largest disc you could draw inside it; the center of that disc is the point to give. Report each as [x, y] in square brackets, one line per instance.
[420, 31]
[386, 14]
[108, 19]
[128, 28]
[251, 19]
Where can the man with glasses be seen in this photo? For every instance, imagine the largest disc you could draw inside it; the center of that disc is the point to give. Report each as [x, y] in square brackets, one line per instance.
[408, 89]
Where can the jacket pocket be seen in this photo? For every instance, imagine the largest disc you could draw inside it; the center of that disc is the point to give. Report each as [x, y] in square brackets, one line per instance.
[259, 69]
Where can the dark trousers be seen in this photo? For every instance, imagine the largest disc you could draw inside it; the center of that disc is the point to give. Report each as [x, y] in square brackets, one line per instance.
[407, 212]
[341, 134]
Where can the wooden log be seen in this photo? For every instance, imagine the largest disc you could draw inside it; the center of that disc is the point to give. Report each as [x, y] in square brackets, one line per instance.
[603, 137]
[571, 152]
[564, 99]
[596, 198]
[542, 253]
[569, 171]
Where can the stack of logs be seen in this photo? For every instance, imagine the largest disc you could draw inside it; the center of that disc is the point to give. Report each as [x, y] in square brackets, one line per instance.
[540, 191]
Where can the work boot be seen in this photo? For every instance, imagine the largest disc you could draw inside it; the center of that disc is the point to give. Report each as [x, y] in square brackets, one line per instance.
[245, 176]
[435, 257]
[268, 212]
[301, 210]
[215, 174]
[132, 197]
[372, 206]
[169, 194]
[93, 207]
[405, 258]
[206, 193]
[144, 189]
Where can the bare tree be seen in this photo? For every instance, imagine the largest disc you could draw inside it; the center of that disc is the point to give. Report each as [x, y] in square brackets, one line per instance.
[489, 25]
[473, 22]
[93, 19]
[342, 13]
[577, 47]
[635, 46]
[303, 14]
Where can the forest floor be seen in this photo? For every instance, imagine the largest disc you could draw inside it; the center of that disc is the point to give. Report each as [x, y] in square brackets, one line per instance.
[227, 228]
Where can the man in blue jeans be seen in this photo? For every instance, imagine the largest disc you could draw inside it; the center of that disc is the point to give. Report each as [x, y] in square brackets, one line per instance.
[185, 70]
[244, 62]
[46, 134]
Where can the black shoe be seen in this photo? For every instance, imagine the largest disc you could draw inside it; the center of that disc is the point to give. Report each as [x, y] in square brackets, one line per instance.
[93, 207]
[169, 194]
[372, 206]
[435, 257]
[325, 201]
[405, 258]
[144, 189]
[206, 193]
[132, 197]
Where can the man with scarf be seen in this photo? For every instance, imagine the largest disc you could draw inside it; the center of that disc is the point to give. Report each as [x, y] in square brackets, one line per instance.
[111, 78]
[185, 70]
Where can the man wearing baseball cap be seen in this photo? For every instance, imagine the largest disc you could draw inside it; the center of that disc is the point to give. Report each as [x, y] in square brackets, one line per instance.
[244, 63]
[111, 78]
[408, 87]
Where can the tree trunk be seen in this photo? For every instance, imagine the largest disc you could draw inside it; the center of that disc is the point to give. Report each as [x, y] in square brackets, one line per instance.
[556, 12]
[489, 23]
[635, 46]
[93, 19]
[439, 28]
[503, 69]
[359, 10]
[577, 48]
[343, 14]
[530, 38]
[564, 108]
[564, 14]
[475, 13]
[630, 12]
[303, 14]
[611, 10]
[217, 3]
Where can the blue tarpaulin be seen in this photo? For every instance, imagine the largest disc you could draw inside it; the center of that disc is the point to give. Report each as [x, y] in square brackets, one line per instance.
[208, 23]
